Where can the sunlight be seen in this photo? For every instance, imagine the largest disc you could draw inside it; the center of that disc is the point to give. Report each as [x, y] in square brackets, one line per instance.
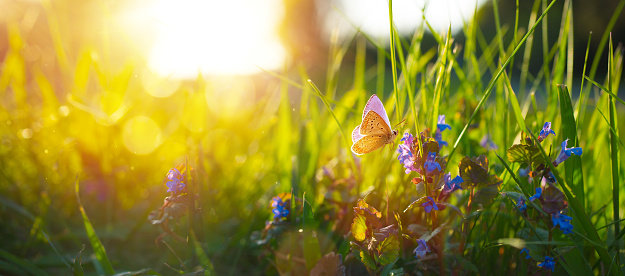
[407, 15]
[216, 37]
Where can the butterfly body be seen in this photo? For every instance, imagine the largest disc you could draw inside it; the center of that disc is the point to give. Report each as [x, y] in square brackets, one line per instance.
[374, 131]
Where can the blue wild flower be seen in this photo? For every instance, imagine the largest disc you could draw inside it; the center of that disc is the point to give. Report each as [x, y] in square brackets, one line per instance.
[565, 153]
[563, 221]
[539, 192]
[421, 249]
[545, 132]
[440, 127]
[548, 263]
[175, 181]
[279, 208]
[527, 256]
[488, 143]
[406, 152]
[521, 204]
[451, 184]
[431, 164]
[429, 204]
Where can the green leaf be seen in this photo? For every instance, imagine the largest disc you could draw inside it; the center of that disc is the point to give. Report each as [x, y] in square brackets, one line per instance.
[486, 195]
[363, 255]
[519, 153]
[553, 200]
[472, 173]
[388, 250]
[77, 267]
[98, 248]
[573, 166]
[359, 228]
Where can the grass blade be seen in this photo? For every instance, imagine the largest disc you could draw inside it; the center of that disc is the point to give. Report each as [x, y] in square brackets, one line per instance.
[515, 103]
[98, 248]
[573, 167]
[614, 154]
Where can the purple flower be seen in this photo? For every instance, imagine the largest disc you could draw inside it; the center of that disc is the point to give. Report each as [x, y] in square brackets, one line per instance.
[279, 208]
[430, 164]
[539, 192]
[545, 132]
[429, 205]
[407, 154]
[565, 153]
[439, 138]
[175, 181]
[548, 263]
[441, 123]
[440, 127]
[451, 184]
[421, 249]
[487, 143]
[524, 172]
[563, 221]
[526, 251]
[521, 204]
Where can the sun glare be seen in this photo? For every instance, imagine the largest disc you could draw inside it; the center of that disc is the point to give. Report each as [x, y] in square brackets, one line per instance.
[407, 14]
[216, 37]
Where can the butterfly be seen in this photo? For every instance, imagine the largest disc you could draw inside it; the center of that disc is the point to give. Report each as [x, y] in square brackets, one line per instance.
[375, 129]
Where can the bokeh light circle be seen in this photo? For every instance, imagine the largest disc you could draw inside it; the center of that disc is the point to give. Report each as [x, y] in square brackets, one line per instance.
[141, 135]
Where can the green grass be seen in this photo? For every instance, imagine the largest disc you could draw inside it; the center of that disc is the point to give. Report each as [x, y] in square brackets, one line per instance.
[293, 135]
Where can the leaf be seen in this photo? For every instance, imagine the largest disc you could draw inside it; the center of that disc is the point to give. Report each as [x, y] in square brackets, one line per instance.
[77, 261]
[453, 207]
[573, 167]
[329, 264]
[363, 255]
[385, 232]
[553, 200]
[363, 206]
[486, 195]
[514, 242]
[359, 228]
[472, 173]
[388, 250]
[429, 146]
[98, 248]
[527, 154]
[415, 203]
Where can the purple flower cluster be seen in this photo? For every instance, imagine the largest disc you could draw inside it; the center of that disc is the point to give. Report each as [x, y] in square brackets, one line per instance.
[175, 181]
[488, 143]
[565, 153]
[280, 209]
[421, 249]
[407, 153]
[440, 127]
[548, 263]
[429, 204]
[521, 204]
[539, 192]
[545, 132]
[562, 221]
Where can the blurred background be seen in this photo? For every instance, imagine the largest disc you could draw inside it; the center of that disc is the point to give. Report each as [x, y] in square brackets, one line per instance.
[115, 93]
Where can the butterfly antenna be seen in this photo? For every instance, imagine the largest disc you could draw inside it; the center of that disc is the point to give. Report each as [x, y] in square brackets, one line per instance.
[402, 121]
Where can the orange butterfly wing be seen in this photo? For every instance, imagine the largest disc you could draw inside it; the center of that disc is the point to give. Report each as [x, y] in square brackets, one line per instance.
[374, 124]
[369, 143]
